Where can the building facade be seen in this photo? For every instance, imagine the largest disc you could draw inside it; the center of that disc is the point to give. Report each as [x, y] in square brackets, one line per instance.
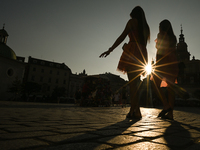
[189, 70]
[49, 75]
[116, 82]
[76, 83]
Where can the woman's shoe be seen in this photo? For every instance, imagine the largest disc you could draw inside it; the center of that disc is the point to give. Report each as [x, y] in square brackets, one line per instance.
[129, 116]
[163, 112]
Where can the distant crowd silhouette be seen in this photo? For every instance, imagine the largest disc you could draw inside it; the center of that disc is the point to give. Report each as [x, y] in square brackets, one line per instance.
[134, 59]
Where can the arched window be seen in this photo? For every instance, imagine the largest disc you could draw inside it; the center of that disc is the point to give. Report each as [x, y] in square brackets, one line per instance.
[10, 72]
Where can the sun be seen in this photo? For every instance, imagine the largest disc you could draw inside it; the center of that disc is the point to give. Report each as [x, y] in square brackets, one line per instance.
[148, 69]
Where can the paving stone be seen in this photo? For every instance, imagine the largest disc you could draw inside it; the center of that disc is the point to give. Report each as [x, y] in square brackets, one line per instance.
[163, 124]
[137, 129]
[2, 131]
[150, 126]
[162, 130]
[81, 146]
[24, 134]
[144, 146]
[70, 126]
[28, 129]
[194, 134]
[6, 122]
[59, 137]
[82, 138]
[96, 126]
[108, 132]
[173, 141]
[21, 143]
[120, 139]
[126, 132]
[149, 134]
[193, 147]
[14, 125]
[73, 130]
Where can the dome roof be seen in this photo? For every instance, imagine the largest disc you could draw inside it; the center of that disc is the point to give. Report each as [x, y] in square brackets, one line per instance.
[7, 52]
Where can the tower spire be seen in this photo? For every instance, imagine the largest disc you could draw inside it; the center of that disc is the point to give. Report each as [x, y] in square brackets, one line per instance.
[181, 29]
[182, 51]
[3, 35]
[181, 38]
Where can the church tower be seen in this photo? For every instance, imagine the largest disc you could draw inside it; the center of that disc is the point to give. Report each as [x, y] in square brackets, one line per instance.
[3, 35]
[182, 52]
[5, 50]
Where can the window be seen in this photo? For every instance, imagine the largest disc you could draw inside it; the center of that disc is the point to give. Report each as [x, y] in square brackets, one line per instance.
[33, 78]
[58, 65]
[57, 81]
[64, 82]
[48, 89]
[41, 79]
[10, 72]
[49, 80]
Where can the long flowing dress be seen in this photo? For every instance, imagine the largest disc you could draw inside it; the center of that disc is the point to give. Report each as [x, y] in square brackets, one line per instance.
[134, 55]
[166, 59]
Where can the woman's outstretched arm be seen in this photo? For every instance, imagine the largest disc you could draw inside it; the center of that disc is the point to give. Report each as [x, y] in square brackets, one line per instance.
[121, 38]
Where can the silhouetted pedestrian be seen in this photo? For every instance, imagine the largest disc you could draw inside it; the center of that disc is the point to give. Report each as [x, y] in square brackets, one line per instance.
[134, 56]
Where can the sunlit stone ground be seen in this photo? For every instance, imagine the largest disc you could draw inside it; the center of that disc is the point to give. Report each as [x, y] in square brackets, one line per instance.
[63, 126]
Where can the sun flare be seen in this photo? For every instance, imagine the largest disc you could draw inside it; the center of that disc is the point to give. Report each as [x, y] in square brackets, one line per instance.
[148, 69]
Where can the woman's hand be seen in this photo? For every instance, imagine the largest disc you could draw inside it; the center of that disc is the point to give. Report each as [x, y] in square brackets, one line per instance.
[106, 53]
[129, 26]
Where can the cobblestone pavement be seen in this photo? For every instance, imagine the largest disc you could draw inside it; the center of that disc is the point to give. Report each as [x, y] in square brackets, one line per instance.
[37, 126]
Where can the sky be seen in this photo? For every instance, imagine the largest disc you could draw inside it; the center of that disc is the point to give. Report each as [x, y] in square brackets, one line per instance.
[76, 32]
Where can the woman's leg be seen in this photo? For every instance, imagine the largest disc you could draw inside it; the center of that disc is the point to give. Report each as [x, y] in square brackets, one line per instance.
[171, 97]
[134, 80]
[156, 85]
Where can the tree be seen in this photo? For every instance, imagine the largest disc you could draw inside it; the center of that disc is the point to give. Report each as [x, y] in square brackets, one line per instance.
[31, 88]
[16, 88]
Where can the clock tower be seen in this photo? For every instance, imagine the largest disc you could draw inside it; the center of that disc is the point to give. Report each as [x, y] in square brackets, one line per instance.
[182, 52]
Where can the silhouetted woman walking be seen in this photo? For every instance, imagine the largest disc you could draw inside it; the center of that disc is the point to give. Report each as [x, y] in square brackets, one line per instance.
[166, 67]
[134, 56]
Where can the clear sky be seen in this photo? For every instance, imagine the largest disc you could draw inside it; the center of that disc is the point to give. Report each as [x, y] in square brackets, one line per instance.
[76, 32]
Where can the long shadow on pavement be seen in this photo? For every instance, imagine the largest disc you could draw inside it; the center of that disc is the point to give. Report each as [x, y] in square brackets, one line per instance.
[176, 136]
[180, 136]
[109, 137]
[147, 133]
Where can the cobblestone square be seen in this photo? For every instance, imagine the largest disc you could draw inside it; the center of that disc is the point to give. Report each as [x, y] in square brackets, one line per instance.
[39, 126]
